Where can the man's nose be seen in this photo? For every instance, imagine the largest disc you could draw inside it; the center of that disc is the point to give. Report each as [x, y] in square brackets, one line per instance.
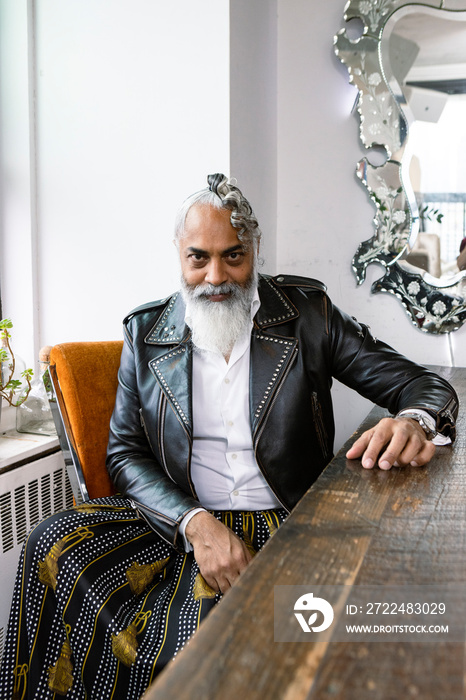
[216, 273]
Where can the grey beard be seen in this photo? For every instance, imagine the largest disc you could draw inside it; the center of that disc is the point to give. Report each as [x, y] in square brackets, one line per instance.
[216, 325]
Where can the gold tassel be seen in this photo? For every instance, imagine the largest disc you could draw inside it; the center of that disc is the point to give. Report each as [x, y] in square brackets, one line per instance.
[88, 507]
[60, 675]
[272, 527]
[20, 674]
[248, 542]
[48, 569]
[247, 538]
[124, 644]
[141, 575]
[202, 589]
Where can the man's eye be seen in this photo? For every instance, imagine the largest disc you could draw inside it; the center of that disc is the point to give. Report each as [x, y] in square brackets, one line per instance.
[236, 256]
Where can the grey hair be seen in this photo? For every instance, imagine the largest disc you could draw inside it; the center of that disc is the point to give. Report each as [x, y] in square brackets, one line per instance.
[222, 193]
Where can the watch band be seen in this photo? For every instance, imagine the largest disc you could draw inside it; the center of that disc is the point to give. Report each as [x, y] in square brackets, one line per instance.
[427, 426]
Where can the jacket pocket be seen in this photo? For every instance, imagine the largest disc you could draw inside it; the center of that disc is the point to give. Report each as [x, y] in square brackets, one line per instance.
[320, 429]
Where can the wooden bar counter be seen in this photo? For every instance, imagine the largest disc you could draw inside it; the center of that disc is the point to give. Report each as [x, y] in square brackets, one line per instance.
[357, 527]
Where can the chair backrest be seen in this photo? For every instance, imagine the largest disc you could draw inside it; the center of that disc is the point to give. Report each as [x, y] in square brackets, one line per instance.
[85, 379]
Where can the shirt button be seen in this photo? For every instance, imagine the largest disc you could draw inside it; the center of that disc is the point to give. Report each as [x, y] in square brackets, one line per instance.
[230, 423]
[227, 381]
[235, 493]
[234, 456]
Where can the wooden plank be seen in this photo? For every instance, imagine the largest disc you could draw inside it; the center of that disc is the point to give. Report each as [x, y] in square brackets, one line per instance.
[404, 526]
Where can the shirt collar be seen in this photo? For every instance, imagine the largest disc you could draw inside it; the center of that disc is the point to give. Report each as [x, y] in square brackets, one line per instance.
[255, 304]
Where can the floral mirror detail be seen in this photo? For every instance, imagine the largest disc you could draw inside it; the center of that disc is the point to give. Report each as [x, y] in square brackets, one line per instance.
[435, 304]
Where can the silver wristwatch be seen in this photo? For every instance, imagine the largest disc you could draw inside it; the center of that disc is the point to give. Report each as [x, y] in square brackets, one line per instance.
[427, 427]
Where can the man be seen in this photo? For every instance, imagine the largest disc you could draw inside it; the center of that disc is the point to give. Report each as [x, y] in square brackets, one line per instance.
[223, 419]
[218, 244]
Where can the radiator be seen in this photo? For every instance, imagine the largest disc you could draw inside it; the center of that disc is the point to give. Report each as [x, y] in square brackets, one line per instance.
[27, 495]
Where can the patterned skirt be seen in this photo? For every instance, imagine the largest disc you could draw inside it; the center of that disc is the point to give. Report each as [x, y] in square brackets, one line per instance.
[101, 602]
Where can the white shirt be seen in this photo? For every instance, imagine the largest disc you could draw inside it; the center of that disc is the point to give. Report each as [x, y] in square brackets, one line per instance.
[223, 465]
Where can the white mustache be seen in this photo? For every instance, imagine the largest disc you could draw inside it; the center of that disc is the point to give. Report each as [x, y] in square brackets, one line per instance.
[212, 289]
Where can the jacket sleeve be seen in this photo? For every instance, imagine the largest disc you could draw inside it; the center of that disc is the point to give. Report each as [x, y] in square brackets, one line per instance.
[132, 466]
[384, 376]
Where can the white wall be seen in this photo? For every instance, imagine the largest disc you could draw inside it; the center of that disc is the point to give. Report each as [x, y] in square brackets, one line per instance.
[253, 113]
[17, 201]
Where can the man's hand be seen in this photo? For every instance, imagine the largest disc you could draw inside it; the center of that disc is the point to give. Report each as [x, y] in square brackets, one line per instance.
[220, 554]
[393, 441]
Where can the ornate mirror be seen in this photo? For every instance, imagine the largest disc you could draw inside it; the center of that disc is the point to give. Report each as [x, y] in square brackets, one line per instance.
[408, 63]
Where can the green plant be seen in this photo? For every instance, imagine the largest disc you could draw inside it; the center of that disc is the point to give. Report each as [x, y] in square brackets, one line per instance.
[430, 213]
[9, 386]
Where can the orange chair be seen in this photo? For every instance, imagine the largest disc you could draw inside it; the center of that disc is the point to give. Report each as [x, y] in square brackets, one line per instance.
[84, 377]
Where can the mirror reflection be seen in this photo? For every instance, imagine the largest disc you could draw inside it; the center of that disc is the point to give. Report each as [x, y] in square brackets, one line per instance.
[424, 54]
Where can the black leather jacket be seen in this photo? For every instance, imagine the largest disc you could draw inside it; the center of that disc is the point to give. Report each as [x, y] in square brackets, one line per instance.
[299, 342]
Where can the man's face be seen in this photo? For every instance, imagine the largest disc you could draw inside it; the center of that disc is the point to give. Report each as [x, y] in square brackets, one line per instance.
[211, 252]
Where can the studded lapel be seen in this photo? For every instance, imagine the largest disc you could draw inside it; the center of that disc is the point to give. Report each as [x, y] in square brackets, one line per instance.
[271, 358]
[275, 307]
[271, 353]
[170, 327]
[173, 371]
[173, 368]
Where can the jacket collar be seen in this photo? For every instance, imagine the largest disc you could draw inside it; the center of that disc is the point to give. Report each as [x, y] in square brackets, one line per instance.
[275, 307]
[171, 328]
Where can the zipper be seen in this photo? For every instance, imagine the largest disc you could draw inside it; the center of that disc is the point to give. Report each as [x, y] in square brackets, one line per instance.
[319, 424]
[139, 510]
[161, 431]
[146, 432]
[160, 437]
[160, 516]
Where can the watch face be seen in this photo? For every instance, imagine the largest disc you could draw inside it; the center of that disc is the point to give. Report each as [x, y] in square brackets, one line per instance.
[427, 429]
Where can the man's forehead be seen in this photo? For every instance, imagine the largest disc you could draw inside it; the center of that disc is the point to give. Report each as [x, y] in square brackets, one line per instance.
[202, 213]
[206, 226]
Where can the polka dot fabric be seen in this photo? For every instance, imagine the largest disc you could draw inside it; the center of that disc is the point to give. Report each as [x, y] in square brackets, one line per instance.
[102, 603]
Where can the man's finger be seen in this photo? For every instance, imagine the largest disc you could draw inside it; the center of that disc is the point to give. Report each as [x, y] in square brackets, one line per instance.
[358, 447]
[396, 448]
[379, 439]
[392, 442]
[417, 452]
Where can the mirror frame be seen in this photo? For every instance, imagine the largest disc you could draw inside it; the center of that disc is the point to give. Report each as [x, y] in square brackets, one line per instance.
[432, 305]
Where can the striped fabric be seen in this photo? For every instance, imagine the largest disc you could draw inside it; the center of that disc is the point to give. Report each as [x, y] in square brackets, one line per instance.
[102, 603]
